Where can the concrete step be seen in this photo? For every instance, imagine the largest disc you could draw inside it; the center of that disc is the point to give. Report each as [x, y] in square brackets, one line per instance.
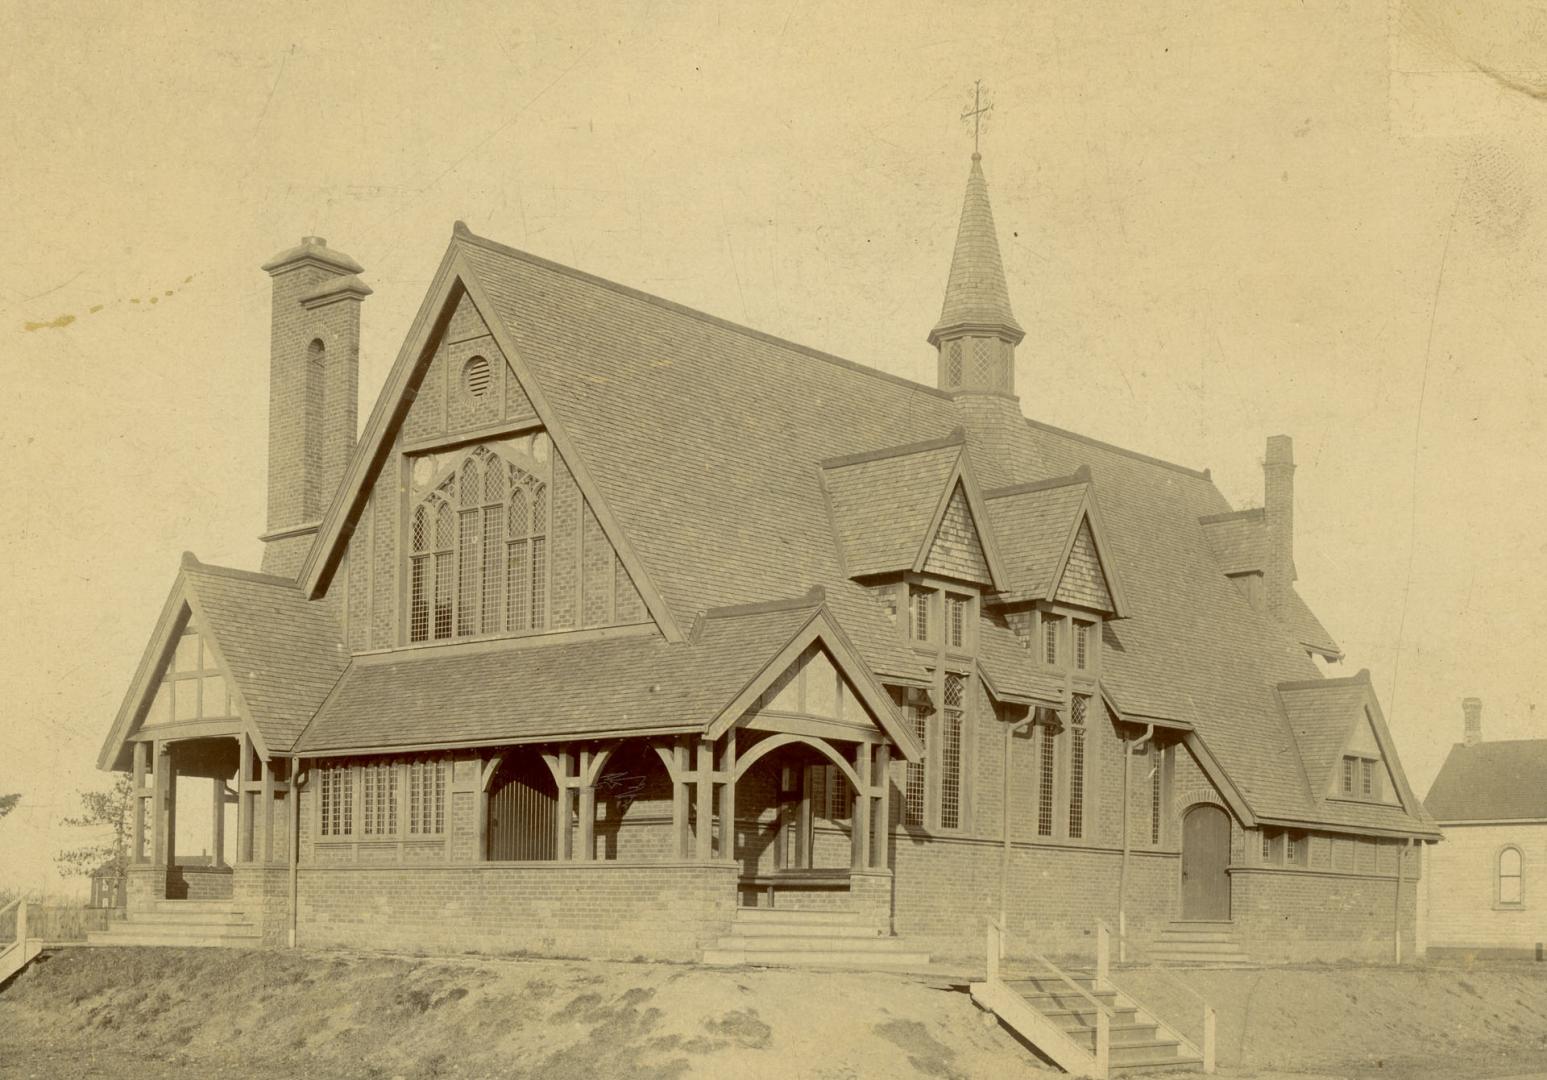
[836, 958]
[1200, 948]
[194, 905]
[158, 917]
[1169, 936]
[752, 916]
[815, 930]
[177, 941]
[801, 943]
[1206, 961]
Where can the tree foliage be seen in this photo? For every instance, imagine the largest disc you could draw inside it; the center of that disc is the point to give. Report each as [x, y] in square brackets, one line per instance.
[109, 813]
[8, 803]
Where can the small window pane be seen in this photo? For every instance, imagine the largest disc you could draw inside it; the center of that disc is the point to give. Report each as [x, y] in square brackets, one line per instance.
[1050, 640]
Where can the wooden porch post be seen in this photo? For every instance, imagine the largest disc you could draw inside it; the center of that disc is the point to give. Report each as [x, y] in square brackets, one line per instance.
[883, 812]
[266, 814]
[705, 800]
[137, 853]
[859, 831]
[243, 805]
[158, 805]
[679, 797]
[218, 821]
[563, 838]
[728, 798]
[587, 809]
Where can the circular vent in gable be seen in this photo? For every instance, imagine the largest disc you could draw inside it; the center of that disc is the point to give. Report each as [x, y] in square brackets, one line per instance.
[476, 377]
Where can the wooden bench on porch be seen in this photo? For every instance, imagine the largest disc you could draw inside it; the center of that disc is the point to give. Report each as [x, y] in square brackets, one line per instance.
[802, 879]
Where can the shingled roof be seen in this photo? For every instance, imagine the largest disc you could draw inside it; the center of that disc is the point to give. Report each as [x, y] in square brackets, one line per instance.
[1492, 781]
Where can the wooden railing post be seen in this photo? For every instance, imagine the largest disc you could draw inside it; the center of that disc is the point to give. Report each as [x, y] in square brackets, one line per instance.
[1103, 1044]
[1103, 956]
[1208, 1039]
[21, 928]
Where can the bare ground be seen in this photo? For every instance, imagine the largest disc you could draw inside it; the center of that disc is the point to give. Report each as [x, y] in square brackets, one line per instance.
[191, 1013]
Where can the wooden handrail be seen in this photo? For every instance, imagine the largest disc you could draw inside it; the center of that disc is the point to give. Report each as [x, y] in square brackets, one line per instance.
[1206, 1051]
[6, 910]
[1056, 970]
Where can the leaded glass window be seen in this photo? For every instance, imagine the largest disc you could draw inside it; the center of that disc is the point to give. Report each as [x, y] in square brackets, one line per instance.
[1077, 767]
[952, 713]
[477, 540]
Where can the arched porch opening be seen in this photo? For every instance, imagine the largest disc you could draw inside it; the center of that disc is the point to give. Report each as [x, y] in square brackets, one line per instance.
[521, 808]
[634, 805]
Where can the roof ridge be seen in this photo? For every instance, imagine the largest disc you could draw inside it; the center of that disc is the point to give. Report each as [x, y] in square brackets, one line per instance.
[957, 437]
[464, 234]
[1079, 476]
[1251, 512]
[1201, 474]
[813, 597]
[191, 562]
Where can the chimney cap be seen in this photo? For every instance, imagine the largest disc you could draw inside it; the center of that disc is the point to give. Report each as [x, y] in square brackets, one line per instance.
[313, 250]
[338, 288]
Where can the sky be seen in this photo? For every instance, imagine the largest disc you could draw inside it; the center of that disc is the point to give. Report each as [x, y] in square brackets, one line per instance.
[1317, 219]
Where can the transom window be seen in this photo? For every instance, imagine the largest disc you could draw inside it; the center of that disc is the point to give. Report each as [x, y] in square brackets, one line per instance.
[478, 551]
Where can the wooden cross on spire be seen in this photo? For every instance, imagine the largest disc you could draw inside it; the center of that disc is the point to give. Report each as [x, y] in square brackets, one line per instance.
[976, 113]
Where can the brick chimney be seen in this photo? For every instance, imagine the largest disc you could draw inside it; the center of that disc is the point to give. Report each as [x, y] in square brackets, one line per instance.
[314, 378]
[1472, 728]
[1278, 502]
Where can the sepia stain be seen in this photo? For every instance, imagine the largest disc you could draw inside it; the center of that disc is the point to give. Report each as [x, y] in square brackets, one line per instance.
[56, 324]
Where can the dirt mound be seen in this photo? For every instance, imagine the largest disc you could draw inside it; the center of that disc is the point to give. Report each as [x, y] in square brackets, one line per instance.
[99, 1012]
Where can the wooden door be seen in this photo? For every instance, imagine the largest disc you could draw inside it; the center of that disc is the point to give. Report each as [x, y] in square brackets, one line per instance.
[1205, 856]
[523, 804]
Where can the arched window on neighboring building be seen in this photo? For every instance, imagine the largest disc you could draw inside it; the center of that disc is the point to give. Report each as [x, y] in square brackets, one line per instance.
[1509, 891]
[478, 558]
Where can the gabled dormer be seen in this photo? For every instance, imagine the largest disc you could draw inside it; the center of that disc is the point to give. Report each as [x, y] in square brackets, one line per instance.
[913, 509]
[1344, 744]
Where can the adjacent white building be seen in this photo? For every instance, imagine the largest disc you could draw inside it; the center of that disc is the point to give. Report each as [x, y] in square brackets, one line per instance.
[1487, 880]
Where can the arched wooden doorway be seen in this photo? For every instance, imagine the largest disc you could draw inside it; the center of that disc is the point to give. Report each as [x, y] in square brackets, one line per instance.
[1205, 862]
[523, 802]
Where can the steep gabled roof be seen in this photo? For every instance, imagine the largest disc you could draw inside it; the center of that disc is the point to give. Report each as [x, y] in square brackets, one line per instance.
[1491, 781]
[883, 502]
[281, 653]
[887, 508]
[1039, 526]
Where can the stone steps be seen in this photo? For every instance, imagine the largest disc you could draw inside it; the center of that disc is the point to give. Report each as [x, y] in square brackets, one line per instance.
[182, 924]
[825, 939]
[1199, 944]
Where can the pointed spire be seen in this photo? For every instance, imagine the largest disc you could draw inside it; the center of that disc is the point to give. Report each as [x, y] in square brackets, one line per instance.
[976, 297]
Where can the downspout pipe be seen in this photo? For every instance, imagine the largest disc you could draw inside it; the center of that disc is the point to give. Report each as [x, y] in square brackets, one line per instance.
[1122, 872]
[1004, 859]
[296, 777]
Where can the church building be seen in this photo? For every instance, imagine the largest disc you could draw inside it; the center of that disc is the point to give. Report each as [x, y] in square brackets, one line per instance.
[622, 627]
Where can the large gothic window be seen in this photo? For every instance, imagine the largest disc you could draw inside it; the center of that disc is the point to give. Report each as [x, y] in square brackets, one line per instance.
[478, 558]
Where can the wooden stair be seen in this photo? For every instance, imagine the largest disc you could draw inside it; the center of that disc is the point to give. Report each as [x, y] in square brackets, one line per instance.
[1138, 1041]
[1199, 944]
[1080, 1020]
[826, 939]
[183, 924]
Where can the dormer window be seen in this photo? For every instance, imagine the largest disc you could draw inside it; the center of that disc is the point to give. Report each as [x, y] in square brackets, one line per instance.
[1050, 639]
[918, 612]
[957, 608]
[1360, 778]
[1081, 645]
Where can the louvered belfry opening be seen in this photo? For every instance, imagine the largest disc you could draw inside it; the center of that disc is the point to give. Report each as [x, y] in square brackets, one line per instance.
[523, 805]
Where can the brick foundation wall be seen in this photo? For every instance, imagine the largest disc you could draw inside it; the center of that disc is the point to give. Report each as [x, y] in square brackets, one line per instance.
[263, 894]
[620, 911]
[199, 883]
[1294, 916]
[143, 885]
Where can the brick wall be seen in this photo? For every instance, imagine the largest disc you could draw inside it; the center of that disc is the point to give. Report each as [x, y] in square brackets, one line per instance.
[262, 893]
[1464, 912]
[660, 911]
[1303, 915]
